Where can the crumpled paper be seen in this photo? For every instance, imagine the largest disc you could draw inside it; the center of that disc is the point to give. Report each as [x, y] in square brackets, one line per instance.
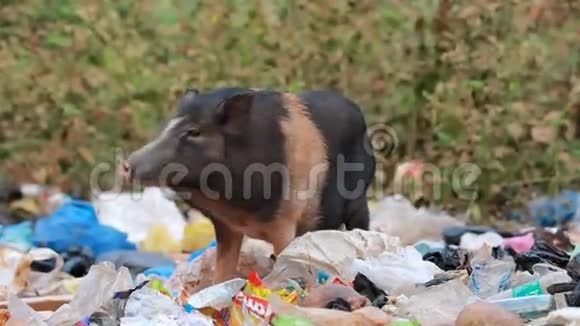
[97, 287]
[329, 250]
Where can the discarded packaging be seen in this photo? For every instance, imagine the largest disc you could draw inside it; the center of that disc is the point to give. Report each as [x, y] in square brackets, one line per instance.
[536, 287]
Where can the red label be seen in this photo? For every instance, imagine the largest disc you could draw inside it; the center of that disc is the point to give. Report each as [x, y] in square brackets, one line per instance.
[256, 306]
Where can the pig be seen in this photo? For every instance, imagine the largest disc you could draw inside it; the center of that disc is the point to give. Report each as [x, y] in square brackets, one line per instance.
[261, 163]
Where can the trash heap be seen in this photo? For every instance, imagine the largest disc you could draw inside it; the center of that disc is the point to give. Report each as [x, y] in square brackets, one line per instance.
[111, 262]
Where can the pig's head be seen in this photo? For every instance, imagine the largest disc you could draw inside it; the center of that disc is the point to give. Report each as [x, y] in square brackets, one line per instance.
[191, 140]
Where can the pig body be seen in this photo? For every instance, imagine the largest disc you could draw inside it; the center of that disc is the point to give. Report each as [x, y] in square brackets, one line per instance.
[262, 163]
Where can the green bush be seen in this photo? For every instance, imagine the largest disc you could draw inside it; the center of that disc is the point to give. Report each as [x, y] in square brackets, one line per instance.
[494, 83]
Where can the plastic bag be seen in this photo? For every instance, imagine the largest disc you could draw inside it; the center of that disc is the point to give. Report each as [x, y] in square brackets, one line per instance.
[483, 313]
[489, 276]
[437, 305]
[394, 270]
[151, 304]
[328, 250]
[448, 259]
[17, 235]
[564, 316]
[191, 277]
[319, 316]
[366, 287]
[472, 242]
[136, 261]
[395, 215]
[521, 243]
[88, 299]
[149, 207]
[75, 224]
[197, 234]
[541, 252]
[51, 282]
[324, 296]
[159, 239]
[14, 271]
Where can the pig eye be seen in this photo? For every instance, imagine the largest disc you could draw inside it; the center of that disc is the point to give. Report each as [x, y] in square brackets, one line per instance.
[192, 133]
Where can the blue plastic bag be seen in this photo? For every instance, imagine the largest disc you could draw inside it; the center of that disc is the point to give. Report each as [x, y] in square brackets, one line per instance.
[75, 224]
[549, 212]
[19, 235]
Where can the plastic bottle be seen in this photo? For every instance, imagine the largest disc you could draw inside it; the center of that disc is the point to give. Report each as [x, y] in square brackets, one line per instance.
[531, 305]
[535, 287]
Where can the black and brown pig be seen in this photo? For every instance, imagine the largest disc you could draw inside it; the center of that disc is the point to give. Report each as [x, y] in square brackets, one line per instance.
[270, 165]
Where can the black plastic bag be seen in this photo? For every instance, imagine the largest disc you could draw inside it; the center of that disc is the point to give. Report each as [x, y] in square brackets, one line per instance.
[77, 261]
[363, 286]
[339, 304]
[573, 299]
[448, 259]
[573, 268]
[541, 252]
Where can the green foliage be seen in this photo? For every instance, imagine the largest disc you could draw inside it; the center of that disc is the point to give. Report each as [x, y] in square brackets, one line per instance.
[495, 83]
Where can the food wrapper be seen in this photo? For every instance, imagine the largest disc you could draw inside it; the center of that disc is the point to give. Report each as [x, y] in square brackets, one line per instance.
[250, 305]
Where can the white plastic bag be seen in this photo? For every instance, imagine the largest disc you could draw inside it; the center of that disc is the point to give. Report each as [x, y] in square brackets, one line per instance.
[332, 251]
[397, 269]
[149, 307]
[472, 242]
[135, 213]
[437, 305]
[396, 216]
[96, 288]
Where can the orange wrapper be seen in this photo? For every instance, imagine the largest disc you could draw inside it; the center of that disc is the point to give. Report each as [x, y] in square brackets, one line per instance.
[250, 306]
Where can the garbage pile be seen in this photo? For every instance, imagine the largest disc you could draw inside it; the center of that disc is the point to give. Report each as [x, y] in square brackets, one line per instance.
[112, 262]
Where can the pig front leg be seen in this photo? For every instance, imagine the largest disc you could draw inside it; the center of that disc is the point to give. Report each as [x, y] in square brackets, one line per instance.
[229, 244]
[281, 235]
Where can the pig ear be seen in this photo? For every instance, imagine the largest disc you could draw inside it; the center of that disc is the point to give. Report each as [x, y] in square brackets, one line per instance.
[233, 112]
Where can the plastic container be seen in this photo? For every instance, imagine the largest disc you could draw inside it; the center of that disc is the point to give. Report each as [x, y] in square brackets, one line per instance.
[533, 288]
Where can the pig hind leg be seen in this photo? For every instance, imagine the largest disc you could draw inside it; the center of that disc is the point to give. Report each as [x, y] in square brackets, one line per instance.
[357, 214]
[357, 210]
